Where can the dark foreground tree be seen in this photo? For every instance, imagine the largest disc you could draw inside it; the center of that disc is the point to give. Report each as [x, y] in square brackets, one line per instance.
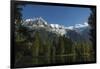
[92, 23]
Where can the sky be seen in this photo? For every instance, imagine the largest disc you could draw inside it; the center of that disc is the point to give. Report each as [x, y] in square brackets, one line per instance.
[67, 16]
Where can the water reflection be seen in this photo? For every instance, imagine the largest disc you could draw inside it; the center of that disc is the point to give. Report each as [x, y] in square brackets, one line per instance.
[42, 60]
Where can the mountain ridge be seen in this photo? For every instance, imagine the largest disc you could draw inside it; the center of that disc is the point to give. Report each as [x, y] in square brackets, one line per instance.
[60, 30]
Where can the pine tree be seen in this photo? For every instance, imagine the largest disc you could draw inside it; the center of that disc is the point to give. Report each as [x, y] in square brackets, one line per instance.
[35, 48]
[48, 53]
[92, 23]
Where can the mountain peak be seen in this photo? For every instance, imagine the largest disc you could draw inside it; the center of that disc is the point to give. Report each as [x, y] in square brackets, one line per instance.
[37, 20]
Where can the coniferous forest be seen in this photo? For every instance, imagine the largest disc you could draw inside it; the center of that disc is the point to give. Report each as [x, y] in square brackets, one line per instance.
[40, 47]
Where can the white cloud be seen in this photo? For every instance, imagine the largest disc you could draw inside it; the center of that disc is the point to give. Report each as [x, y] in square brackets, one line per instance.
[81, 25]
[86, 24]
[78, 26]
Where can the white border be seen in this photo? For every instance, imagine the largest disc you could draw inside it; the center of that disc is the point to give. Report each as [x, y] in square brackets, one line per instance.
[5, 34]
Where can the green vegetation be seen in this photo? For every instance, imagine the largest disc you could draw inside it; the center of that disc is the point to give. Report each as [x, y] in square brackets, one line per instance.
[36, 50]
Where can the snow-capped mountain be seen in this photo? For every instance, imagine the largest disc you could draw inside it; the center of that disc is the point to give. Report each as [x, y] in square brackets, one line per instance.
[41, 23]
[75, 33]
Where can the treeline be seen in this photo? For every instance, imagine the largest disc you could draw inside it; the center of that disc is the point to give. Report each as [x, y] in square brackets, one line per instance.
[30, 51]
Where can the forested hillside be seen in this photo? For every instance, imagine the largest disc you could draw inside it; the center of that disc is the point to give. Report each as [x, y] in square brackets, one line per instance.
[37, 43]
